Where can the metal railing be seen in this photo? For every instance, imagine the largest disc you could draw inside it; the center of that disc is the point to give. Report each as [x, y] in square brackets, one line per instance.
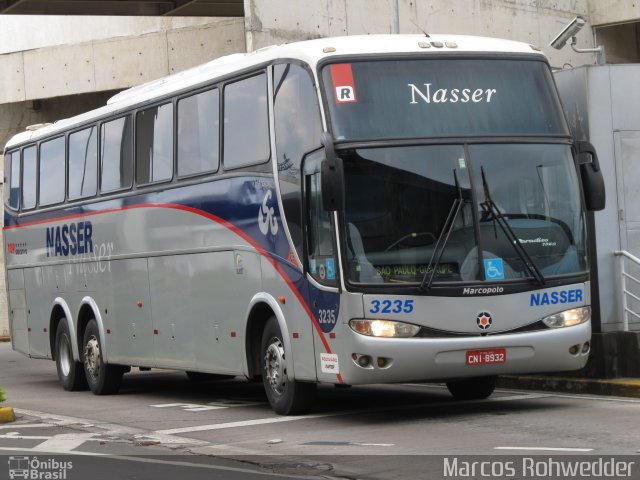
[625, 278]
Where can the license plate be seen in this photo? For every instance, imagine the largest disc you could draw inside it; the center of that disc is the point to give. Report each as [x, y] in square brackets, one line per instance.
[486, 357]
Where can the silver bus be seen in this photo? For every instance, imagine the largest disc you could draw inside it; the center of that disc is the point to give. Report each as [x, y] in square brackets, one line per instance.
[348, 211]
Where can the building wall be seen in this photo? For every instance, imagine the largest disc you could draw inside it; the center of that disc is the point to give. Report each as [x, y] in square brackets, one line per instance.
[28, 32]
[532, 21]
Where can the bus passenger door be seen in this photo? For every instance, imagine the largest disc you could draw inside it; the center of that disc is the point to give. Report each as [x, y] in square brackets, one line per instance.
[322, 264]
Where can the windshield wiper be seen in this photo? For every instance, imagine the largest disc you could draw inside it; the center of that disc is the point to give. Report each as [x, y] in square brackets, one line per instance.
[490, 207]
[443, 238]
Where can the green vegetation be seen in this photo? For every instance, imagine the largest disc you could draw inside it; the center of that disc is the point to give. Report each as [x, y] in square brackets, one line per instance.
[2, 399]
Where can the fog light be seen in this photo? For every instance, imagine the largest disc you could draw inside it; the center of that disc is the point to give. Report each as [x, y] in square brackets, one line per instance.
[364, 361]
[382, 362]
[574, 350]
[586, 347]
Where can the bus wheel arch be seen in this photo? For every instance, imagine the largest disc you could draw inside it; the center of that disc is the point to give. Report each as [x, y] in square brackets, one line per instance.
[60, 312]
[89, 310]
[70, 370]
[256, 321]
[261, 308]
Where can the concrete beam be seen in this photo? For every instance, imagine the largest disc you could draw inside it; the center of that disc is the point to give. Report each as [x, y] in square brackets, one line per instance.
[114, 63]
[607, 12]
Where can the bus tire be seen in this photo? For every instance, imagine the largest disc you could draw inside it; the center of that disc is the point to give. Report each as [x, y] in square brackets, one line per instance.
[204, 377]
[476, 388]
[103, 379]
[285, 397]
[70, 372]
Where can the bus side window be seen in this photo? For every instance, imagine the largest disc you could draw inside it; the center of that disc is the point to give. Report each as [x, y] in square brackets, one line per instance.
[13, 192]
[297, 129]
[29, 176]
[83, 161]
[154, 144]
[246, 123]
[198, 133]
[116, 154]
[322, 265]
[52, 171]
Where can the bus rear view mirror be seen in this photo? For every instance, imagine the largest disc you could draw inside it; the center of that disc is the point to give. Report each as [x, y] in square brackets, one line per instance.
[591, 175]
[332, 177]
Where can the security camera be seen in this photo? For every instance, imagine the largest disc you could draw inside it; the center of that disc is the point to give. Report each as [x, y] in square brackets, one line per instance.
[568, 32]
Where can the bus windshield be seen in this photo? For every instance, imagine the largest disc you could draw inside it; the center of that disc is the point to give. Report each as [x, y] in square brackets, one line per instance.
[401, 202]
[417, 98]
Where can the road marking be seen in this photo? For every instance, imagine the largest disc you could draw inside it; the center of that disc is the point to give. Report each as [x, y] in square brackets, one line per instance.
[349, 444]
[190, 407]
[546, 449]
[25, 437]
[63, 443]
[112, 429]
[267, 421]
[25, 425]
[595, 397]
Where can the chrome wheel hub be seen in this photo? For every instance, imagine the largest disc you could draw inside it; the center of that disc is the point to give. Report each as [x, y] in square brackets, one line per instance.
[92, 357]
[276, 366]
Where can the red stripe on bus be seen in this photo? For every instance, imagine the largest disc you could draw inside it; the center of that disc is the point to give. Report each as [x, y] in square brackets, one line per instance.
[218, 220]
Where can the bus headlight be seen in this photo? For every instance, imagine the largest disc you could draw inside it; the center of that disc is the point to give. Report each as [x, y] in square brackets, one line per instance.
[568, 318]
[384, 328]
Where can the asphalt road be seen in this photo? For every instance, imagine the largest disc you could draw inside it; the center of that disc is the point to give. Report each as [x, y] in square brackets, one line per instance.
[162, 425]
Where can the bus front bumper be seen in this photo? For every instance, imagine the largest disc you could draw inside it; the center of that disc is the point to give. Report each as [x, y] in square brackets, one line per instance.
[422, 359]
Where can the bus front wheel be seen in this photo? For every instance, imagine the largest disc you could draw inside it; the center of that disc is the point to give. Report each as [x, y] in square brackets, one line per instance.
[103, 379]
[476, 388]
[70, 372]
[285, 396]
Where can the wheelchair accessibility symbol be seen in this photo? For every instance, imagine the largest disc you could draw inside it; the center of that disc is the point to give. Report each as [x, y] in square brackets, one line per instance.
[493, 269]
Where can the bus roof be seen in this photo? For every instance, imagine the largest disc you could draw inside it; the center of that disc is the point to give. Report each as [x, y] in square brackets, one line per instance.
[310, 51]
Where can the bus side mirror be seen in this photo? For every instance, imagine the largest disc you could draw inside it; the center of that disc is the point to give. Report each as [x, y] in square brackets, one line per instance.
[591, 175]
[331, 177]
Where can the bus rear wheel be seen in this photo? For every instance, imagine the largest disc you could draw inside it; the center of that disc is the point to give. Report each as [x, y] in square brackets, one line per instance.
[70, 372]
[286, 397]
[476, 388]
[103, 379]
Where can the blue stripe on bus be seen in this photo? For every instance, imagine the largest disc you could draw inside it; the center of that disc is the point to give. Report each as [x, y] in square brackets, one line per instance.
[236, 200]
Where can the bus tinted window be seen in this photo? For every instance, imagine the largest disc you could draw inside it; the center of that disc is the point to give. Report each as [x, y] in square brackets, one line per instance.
[246, 122]
[116, 151]
[30, 167]
[441, 97]
[14, 182]
[154, 144]
[198, 133]
[297, 128]
[83, 161]
[52, 171]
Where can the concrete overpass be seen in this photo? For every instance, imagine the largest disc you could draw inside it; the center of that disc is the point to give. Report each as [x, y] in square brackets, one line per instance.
[186, 8]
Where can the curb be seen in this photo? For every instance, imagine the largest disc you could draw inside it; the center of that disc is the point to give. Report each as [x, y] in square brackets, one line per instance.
[620, 387]
[7, 414]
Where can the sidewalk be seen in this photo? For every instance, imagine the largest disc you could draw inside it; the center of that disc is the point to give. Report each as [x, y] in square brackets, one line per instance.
[620, 387]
